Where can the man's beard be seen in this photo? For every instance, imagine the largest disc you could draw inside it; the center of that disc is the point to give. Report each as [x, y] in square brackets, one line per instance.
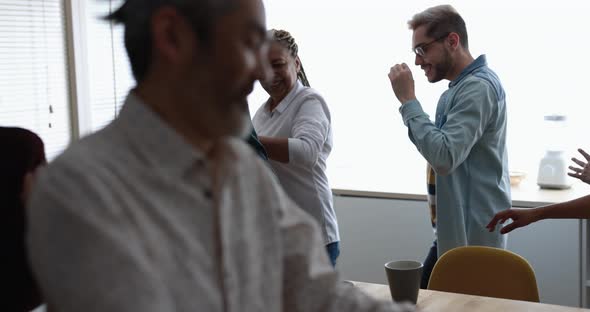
[442, 69]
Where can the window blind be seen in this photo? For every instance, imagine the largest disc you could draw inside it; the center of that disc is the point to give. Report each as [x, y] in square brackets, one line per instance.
[109, 71]
[34, 92]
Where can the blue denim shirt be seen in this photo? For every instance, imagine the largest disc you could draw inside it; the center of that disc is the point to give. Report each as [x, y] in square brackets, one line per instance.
[466, 146]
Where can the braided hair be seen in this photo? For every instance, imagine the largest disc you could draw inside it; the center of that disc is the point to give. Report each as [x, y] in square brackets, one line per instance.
[284, 38]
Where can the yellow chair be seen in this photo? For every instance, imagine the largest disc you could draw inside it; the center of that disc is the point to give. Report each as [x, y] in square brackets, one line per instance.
[485, 271]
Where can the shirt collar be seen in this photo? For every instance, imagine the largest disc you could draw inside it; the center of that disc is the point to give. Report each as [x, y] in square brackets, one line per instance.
[287, 100]
[479, 62]
[159, 144]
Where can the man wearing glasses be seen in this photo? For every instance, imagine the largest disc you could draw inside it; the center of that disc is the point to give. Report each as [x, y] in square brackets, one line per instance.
[466, 145]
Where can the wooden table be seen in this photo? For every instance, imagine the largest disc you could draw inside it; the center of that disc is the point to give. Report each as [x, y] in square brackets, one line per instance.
[431, 301]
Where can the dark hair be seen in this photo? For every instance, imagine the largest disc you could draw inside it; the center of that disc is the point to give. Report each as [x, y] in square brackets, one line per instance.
[22, 152]
[441, 20]
[135, 16]
[284, 37]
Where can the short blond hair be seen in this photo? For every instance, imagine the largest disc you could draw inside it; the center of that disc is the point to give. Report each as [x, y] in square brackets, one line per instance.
[440, 20]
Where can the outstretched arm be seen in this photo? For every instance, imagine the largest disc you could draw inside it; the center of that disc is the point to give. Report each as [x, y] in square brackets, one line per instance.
[573, 209]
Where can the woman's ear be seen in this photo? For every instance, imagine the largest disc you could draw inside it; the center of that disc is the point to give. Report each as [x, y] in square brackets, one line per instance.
[297, 64]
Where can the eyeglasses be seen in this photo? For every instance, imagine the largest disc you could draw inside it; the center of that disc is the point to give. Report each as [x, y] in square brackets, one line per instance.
[420, 49]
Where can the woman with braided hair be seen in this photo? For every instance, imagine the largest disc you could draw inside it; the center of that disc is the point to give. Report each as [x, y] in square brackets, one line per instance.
[294, 127]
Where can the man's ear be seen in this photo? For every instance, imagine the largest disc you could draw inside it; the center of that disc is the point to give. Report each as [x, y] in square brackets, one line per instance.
[172, 36]
[454, 40]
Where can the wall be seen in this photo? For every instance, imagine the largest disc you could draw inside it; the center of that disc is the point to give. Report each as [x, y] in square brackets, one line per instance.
[374, 231]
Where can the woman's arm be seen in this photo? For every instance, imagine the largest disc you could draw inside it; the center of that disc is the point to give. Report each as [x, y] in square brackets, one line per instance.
[573, 209]
[276, 148]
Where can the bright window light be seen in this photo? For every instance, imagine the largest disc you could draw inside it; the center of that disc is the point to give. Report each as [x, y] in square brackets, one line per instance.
[539, 49]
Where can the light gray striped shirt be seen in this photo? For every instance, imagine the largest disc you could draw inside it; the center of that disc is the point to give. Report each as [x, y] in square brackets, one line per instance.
[133, 218]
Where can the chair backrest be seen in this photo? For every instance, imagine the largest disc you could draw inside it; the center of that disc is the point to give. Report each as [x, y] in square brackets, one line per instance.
[485, 271]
